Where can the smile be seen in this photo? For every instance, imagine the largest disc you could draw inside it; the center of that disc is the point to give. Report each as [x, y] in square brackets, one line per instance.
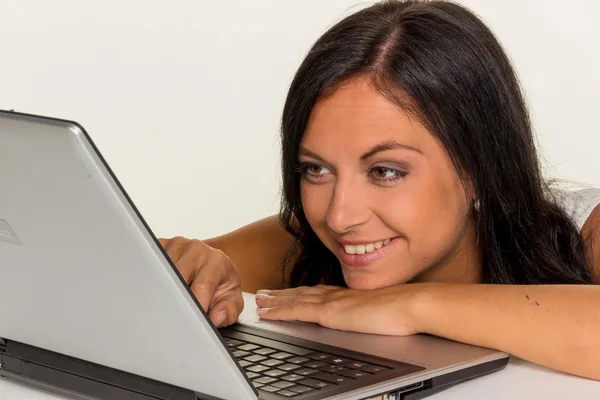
[365, 248]
[362, 255]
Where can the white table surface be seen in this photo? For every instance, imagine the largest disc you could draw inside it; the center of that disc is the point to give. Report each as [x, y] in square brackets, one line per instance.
[519, 380]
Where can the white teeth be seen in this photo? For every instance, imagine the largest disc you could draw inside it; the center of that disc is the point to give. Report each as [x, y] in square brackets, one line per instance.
[365, 248]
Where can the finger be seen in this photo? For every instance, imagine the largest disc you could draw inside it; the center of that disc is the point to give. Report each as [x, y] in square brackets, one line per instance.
[163, 242]
[327, 287]
[227, 309]
[305, 312]
[278, 301]
[301, 290]
[227, 269]
[205, 282]
[188, 263]
[175, 248]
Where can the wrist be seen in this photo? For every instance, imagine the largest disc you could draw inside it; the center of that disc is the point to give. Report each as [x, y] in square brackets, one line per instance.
[422, 306]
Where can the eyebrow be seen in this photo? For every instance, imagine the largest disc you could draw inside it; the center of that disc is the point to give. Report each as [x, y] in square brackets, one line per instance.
[386, 145]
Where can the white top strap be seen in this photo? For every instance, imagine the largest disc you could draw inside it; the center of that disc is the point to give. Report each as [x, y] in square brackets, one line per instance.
[578, 204]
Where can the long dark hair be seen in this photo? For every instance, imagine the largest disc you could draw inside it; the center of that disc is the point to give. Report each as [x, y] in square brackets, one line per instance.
[439, 62]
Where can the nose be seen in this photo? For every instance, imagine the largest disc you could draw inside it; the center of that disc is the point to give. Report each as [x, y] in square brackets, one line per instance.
[347, 208]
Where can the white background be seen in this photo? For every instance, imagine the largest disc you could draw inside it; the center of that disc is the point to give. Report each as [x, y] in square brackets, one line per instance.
[183, 98]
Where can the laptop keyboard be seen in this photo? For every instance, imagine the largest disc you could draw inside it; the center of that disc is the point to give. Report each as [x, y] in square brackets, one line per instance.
[296, 371]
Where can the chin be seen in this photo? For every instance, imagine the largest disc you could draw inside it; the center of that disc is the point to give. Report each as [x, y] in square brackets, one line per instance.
[374, 278]
[367, 283]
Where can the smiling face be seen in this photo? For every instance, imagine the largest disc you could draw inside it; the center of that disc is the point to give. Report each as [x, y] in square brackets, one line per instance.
[382, 194]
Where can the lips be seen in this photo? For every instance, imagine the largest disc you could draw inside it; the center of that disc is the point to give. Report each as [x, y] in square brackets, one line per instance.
[368, 257]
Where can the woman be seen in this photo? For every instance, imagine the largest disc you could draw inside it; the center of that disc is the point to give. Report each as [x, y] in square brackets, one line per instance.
[413, 200]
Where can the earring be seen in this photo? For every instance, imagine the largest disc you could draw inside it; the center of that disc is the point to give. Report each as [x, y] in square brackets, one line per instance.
[477, 205]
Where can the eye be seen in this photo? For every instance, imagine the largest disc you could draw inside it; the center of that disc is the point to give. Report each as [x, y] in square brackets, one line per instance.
[384, 175]
[312, 171]
[316, 169]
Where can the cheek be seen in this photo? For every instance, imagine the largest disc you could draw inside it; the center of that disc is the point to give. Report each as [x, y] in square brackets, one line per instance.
[315, 202]
[428, 213]
[440, 221]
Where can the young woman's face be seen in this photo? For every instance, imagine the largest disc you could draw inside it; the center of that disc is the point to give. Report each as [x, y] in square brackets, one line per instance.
[381, 192]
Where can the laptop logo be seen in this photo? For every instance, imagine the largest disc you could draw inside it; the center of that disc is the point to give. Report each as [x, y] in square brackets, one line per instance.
[7, 234]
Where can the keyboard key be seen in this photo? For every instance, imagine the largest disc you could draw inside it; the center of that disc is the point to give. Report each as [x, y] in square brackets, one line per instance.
[255, 358]
[306, 371]
[258, 368]
[257, 385]
[293, 377]
[281, 355]
[287, 393]
[244, 364]
[288, 367]
[251, 375]
[265, 380]
[275, 373]
[297, 360]
[353, 373]
[272, 363]
[240, 353]
[232, 342]
[264, 342]
[336, 360]
[331, 368]
[270, 389]
[355, 365]
[336, 379]
[313, 383]
[318, 356]
[314, 364]
[300, 389]
[283, 384]
[264, 351]
[248, 347]
[373, 369]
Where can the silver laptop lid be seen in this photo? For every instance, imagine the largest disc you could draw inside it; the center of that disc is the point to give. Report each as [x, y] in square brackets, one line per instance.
[82, 275]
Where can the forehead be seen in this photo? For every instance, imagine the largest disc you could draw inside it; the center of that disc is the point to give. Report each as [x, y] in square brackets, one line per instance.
[358, 115]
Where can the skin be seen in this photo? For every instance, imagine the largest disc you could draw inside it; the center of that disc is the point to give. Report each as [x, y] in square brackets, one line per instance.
[434, 249]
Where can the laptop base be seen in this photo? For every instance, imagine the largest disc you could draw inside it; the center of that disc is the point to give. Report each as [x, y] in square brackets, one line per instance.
[84, 380]
[81, 379]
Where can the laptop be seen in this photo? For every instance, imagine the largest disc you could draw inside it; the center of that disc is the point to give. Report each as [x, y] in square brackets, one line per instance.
[92, 307]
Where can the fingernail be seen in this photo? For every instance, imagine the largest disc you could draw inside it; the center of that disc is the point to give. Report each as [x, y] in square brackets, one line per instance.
[221, 317]
[261, 296]
[262, 310]
[263, 292]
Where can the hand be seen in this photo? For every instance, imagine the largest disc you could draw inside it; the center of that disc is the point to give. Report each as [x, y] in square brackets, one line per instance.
[387, 311]
[211, 275]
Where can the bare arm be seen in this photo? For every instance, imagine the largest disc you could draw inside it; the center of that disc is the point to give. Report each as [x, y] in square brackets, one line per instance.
[556, 326]
[257, 250]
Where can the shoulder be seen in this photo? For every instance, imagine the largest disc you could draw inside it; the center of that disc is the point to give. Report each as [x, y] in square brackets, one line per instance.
[582, 204]
[578, 201]
[590, 234]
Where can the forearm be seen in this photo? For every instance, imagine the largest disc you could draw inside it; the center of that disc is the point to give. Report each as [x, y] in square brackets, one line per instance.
[556, 326]
[257, 250]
